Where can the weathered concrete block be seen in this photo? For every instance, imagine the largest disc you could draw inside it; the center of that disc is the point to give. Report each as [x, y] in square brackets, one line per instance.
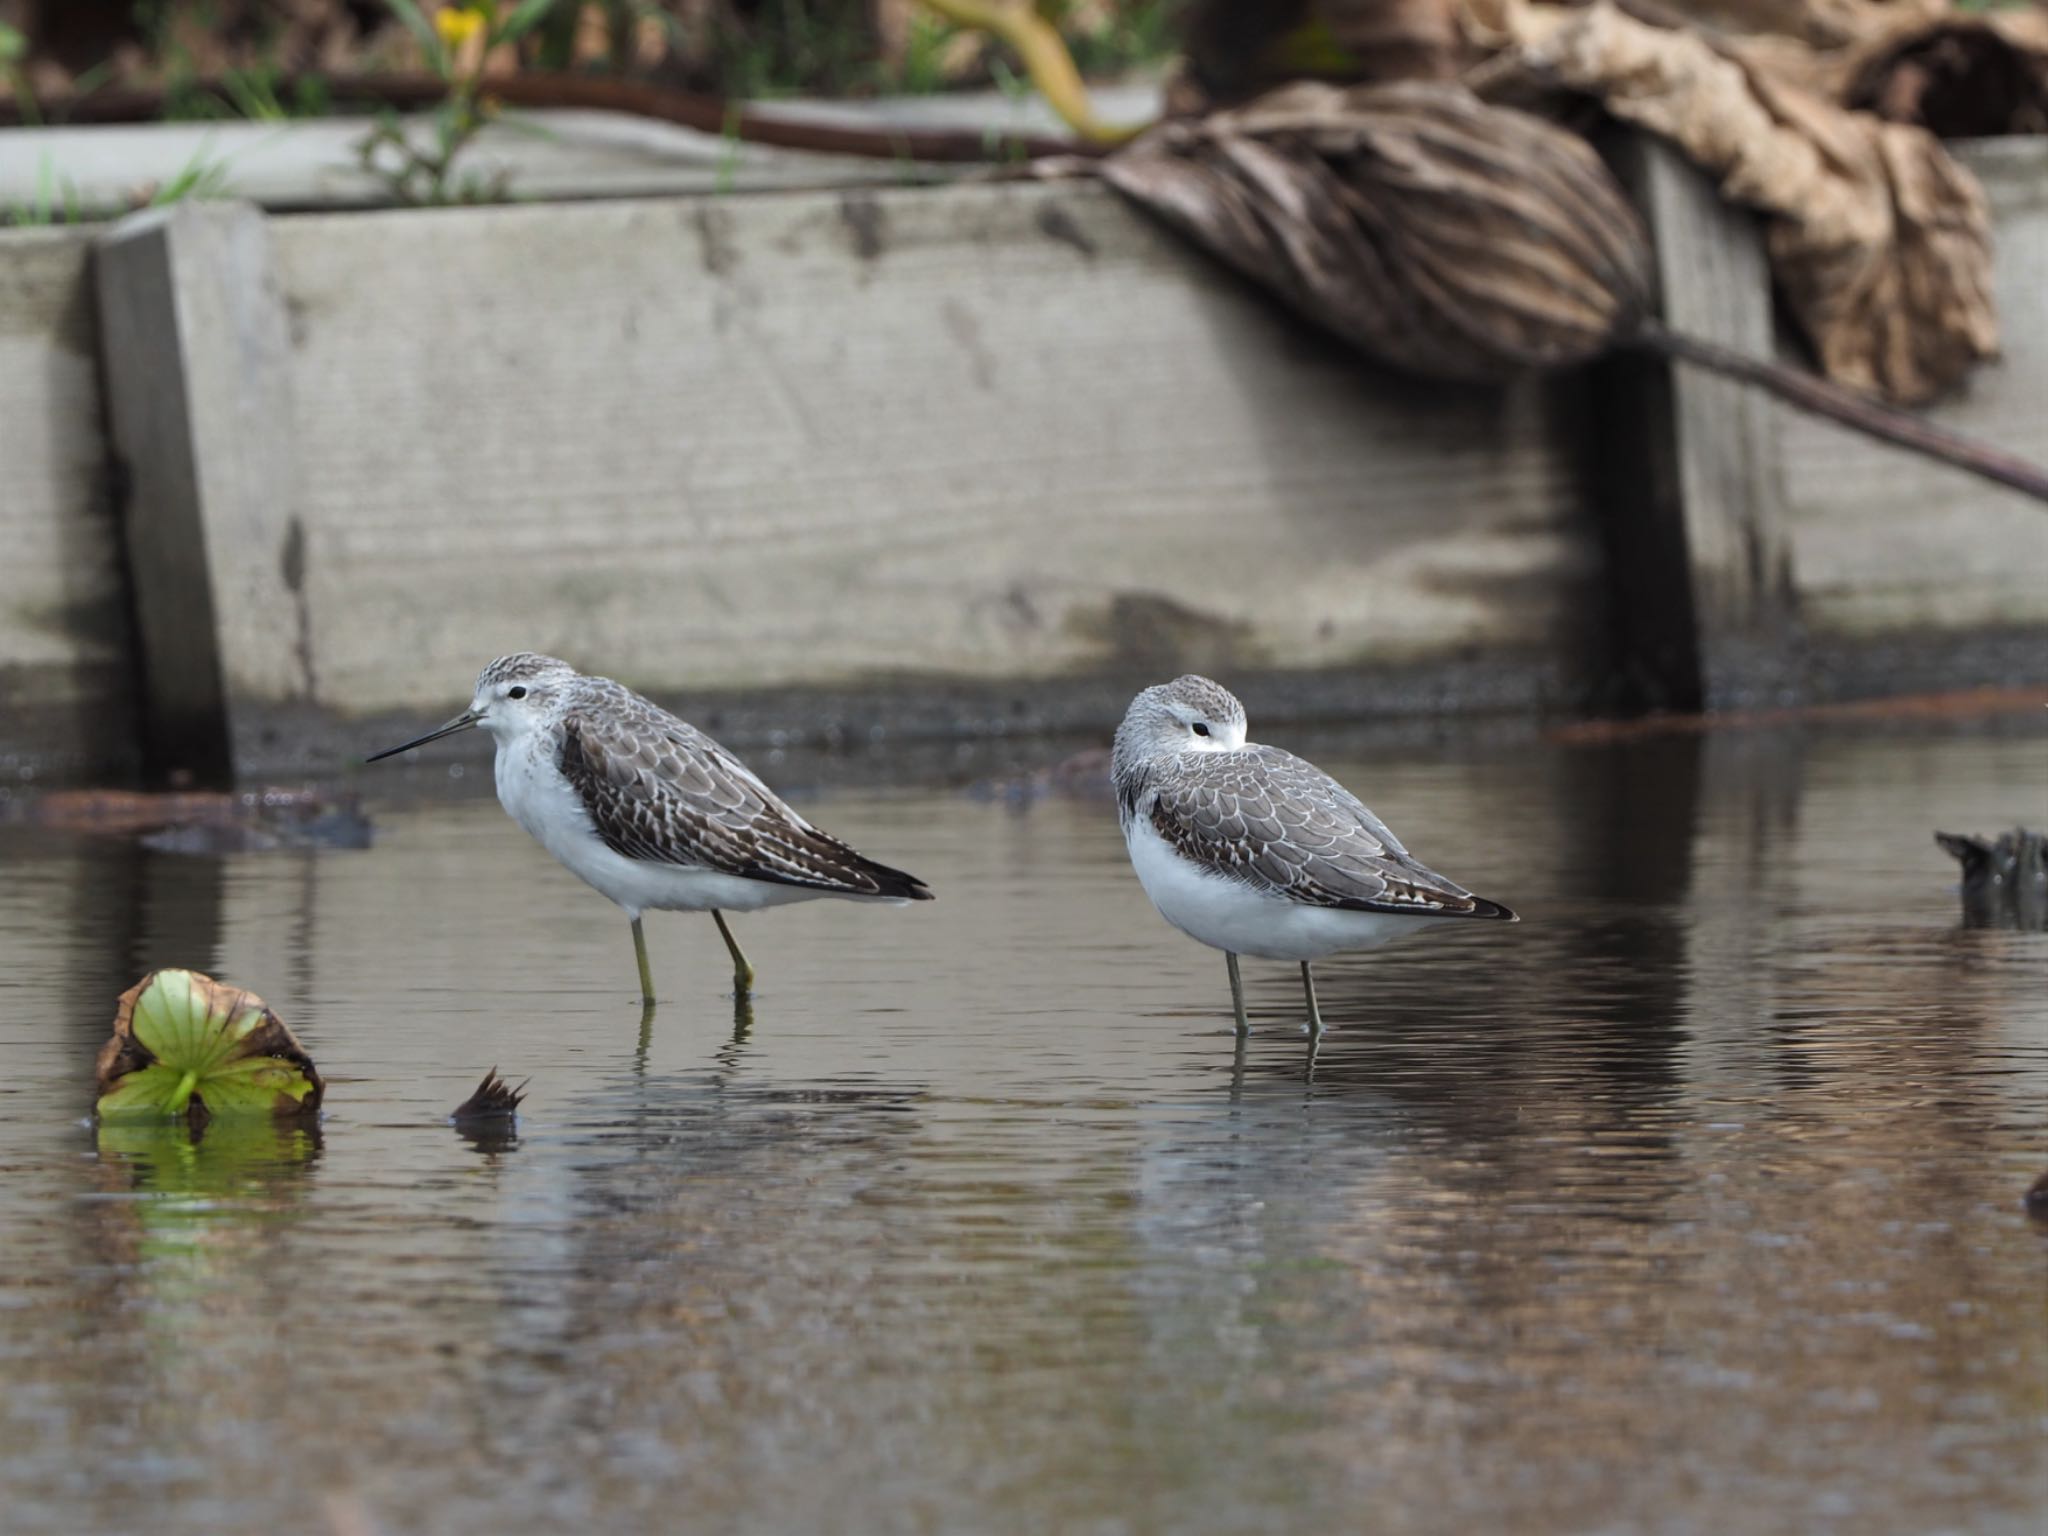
[1686, 464]
[65, 701]
[927, 453]
[852, 443]
[199, 401]
[1893, 549]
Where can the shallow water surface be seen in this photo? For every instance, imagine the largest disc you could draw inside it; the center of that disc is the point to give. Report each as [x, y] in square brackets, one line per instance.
[1692, 1203]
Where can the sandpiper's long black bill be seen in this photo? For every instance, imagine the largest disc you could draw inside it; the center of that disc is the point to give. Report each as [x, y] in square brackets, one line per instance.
[461, 722]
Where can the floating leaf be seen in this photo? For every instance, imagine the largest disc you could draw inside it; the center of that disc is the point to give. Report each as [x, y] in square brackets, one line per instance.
[185, 1045]
[1422, 225]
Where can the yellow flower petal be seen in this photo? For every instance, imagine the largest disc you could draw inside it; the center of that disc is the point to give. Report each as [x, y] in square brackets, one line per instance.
[457, 25]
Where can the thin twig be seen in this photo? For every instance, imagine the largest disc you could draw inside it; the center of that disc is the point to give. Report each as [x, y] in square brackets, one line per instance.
[1810, 392]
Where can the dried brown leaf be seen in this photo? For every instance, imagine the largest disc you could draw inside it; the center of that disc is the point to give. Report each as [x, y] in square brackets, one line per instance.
[1878, 238]
[1428, 229]
[1960, 77]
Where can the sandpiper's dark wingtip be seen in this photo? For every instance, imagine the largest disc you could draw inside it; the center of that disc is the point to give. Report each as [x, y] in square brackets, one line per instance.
[1481, 907]
[897, 883]
[859, 875]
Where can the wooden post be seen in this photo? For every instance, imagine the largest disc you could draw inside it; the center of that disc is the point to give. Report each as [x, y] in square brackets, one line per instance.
[196, 350]
[1685, 469]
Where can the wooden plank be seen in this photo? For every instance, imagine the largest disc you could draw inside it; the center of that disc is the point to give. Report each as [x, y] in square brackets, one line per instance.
[198, 396]
[957, 439]
[1891, 546]
[65, 705]
[1685, 466]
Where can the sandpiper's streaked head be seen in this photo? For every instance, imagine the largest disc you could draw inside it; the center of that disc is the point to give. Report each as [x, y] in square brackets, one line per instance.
[1189, 714]
[518, 693]
[514, 695]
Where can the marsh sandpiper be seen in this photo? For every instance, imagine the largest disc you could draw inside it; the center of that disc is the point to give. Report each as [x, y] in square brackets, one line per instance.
[1253, 851]
[648, 810]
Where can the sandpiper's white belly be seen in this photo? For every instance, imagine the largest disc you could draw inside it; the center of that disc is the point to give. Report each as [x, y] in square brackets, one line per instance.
[1231, 915]
[537, 796]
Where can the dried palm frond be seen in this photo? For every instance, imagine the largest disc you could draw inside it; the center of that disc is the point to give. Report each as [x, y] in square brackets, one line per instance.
[1455, 239]
[1879, 240]
[1427, 229]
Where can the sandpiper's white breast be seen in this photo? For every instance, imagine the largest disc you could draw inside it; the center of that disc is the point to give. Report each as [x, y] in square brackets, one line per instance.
[1229, 914]
[536, 794]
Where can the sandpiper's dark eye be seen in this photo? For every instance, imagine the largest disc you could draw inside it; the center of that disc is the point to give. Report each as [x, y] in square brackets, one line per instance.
[516, 691]
[1201, 729]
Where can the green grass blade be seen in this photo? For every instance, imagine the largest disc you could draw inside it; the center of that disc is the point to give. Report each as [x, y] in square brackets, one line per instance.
[528, 15]
[423, 32]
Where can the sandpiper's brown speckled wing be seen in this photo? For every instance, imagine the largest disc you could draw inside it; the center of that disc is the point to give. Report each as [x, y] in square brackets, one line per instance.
[659, 789]
[1270, 819]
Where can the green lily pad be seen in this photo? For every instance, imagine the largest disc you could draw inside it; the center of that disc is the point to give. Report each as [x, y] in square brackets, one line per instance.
[187, 1046]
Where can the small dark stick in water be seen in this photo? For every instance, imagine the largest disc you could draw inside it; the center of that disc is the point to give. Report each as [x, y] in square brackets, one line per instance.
[1458, 240]
[2005, 883]
[495, 1102]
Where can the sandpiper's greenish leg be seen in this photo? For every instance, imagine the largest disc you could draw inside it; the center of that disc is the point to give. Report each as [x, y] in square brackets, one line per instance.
[646, 1037]
[742, 973]
[742, 1018]
[646, 974]
[1308, 988]
[1244, 1025]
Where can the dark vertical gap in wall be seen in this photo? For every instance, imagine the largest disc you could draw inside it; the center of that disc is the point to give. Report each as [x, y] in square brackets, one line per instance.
[116, 489]
[1632, 479]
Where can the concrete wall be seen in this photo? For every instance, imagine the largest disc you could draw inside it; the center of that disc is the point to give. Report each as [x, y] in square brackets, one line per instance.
[964, 458]
[1888, 548]
[1008, 432]
[984, 442]
[66, 682]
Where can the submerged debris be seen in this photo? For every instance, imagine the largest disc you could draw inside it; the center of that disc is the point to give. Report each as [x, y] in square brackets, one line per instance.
[1083, 776]
[187, 1046]
[204, 821]
[2005, 883]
